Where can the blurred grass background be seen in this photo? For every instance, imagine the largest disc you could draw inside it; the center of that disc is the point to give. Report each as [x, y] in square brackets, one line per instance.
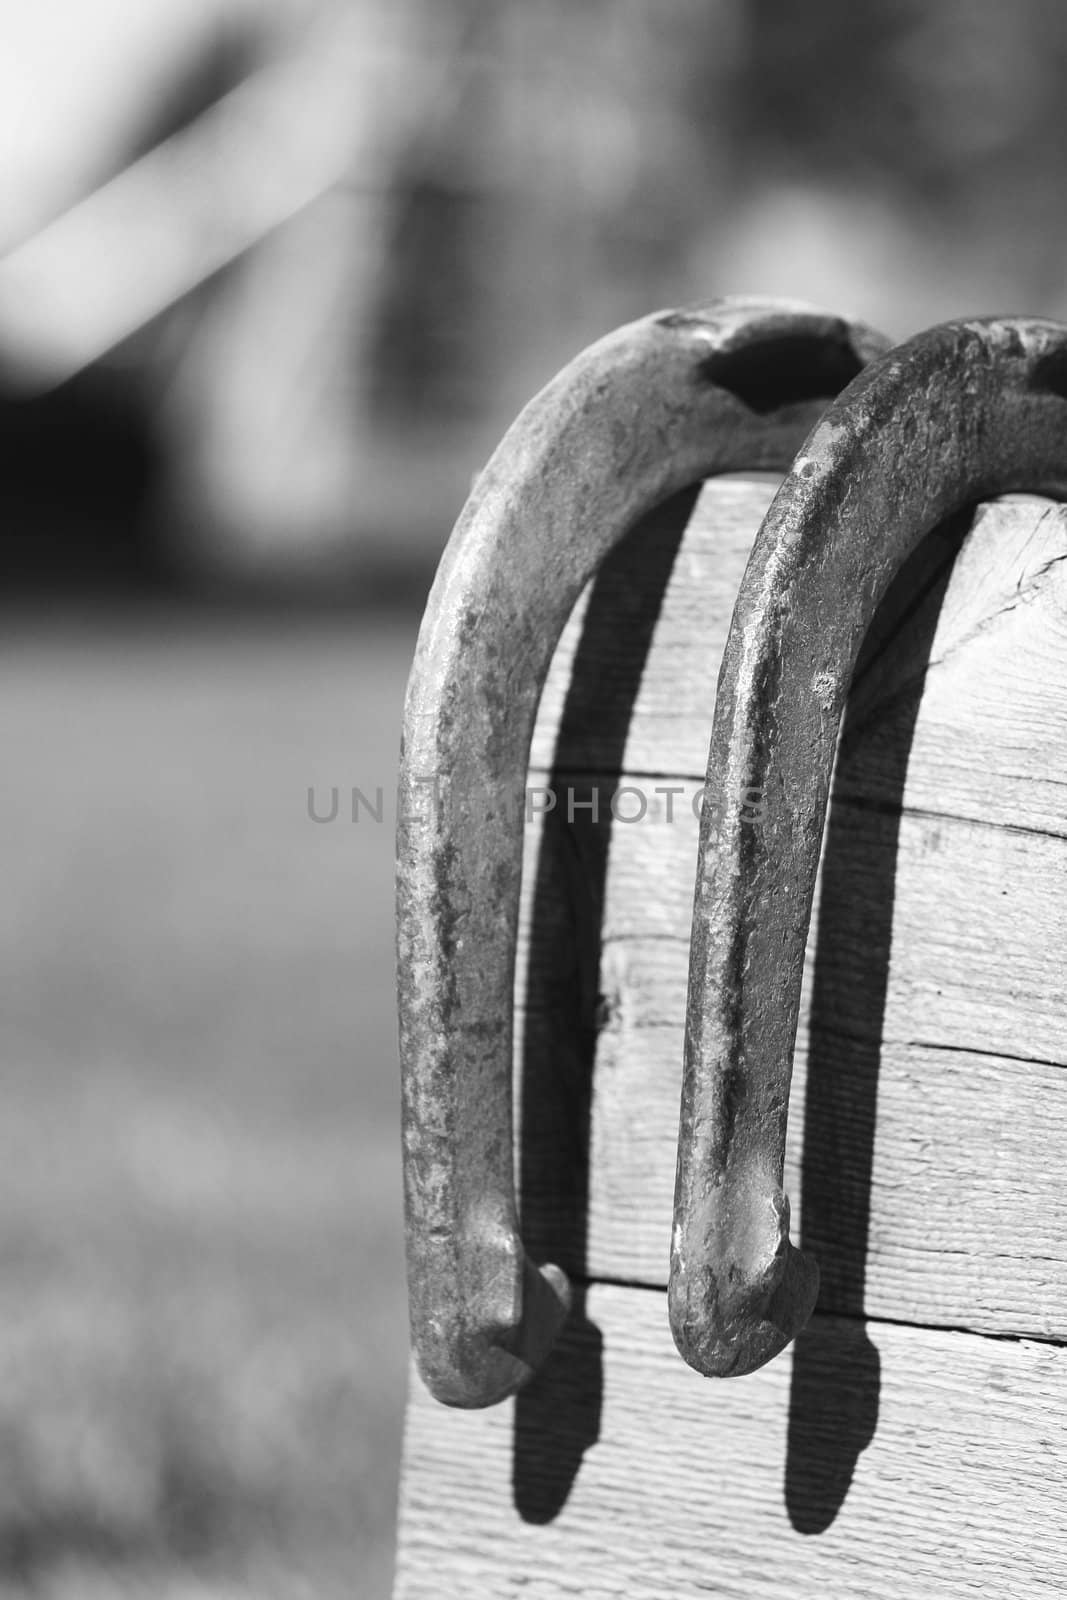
[202, 1341]
[274, 277]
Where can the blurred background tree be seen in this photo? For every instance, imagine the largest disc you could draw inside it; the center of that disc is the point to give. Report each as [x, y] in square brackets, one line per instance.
[357, 235]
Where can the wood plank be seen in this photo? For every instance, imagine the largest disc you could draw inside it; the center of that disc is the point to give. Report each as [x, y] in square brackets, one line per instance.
[873, 1462]
[1002, 616]
[930, 1097]
[695, 562]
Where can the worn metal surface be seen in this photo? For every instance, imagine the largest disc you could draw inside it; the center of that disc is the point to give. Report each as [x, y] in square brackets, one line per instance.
[961, 413]
[651, 409]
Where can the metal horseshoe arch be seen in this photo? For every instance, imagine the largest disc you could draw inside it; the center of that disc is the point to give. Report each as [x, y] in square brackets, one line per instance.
[963, 412]
[647, 412]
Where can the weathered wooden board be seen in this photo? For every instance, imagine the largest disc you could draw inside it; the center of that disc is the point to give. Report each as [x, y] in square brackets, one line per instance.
[948, 1123]
[929, 1113]
[990, 671]
[935, 1017]
[625, 1475]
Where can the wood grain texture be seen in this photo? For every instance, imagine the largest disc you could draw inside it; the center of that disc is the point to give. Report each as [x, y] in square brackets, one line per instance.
[929, 1112]
[929, 1177]
[693, 1487]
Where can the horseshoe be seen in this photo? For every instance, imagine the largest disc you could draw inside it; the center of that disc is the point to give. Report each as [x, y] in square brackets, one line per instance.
[646, 412]
[963, 412]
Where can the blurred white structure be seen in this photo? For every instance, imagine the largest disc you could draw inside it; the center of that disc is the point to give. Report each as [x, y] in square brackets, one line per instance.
[339, 242]
[288, 172]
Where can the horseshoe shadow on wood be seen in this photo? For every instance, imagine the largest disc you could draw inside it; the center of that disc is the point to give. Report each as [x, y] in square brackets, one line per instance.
[834, 1398]
[557, 1417]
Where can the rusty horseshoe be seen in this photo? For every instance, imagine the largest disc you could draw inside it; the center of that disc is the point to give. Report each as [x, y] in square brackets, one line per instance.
[963, 412]
[646, 412]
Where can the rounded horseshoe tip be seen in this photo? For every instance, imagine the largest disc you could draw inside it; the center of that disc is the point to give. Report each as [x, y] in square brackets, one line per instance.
[475, 1370]
[722, 1341]
[736, 1309]
[547, 1302]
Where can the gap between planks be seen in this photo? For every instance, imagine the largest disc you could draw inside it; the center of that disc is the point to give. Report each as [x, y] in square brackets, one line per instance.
[605, 1281]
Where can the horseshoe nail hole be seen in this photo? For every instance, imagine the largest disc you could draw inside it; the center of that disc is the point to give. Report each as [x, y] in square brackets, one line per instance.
[806, 468]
